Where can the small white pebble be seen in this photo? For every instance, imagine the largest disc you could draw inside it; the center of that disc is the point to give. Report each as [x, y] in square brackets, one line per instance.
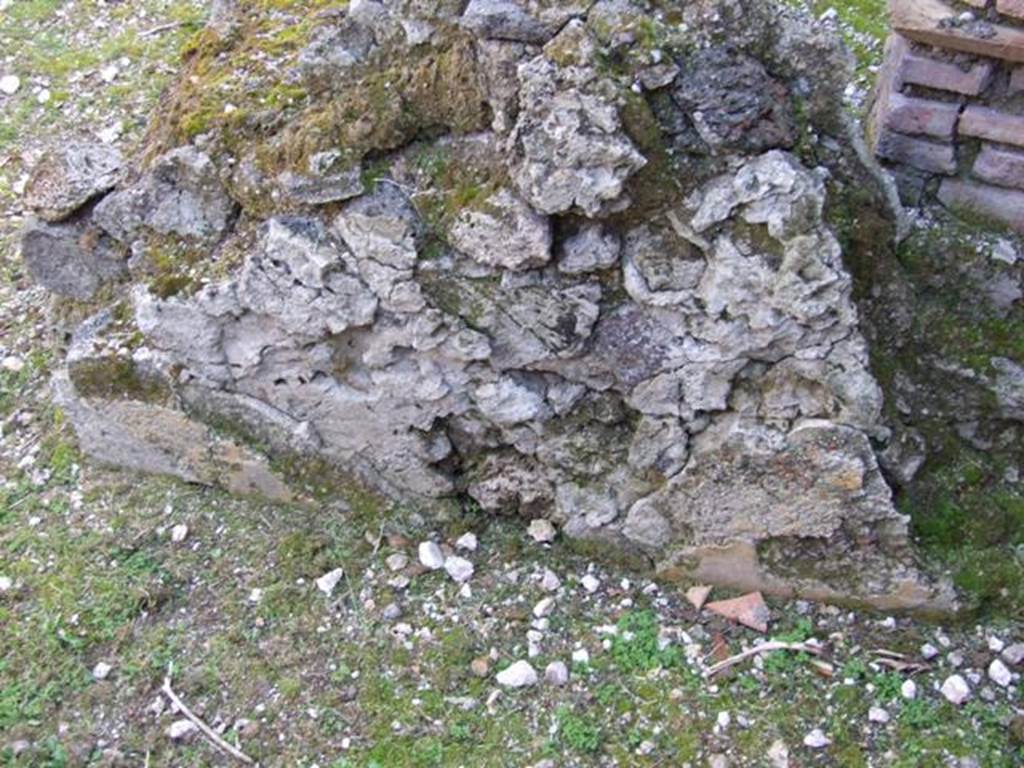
[878, 715]
[999, 674]
[180, 729]
[817, 739]
[541, 530]
[955, 689]
[520, 675]
[544, 607]
[329, 581]
[591, 583]
[179, 533]
[459, 568]
[909, 689]
[467, 541]
[9, 84]
[431, 555]
[101, 671]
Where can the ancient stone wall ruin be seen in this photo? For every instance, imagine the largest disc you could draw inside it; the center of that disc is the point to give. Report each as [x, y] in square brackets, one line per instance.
[561, 260]
[949, 110]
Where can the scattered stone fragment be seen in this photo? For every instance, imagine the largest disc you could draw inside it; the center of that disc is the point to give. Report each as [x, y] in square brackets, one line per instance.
[929, 651]
[1014, 654]
[13, 364]
[544, 607]
[329, 581]
[520, 675]
[480, 666]
[591, 583]
[955, 689]
[817, 739]
[581, 656]
[179, 533]
[5, 584]
[724, 719]
[999, 674]
[778, 754]
[878, 715]
[556, 673]
[550, 582]
[995, 644]
[101, 671]
[541, 530]
[467, 542]
[908, 690]
[181, 729]
[396, 561]
[9, 84]
[459, 568]
[431, 555]
[749, 610]
[391, 612]
[698, 596]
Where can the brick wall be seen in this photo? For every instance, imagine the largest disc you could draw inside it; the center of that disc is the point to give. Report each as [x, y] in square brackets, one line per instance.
[948, 116]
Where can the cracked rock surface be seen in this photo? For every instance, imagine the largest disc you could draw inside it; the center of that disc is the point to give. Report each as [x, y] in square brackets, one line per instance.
[605, 296]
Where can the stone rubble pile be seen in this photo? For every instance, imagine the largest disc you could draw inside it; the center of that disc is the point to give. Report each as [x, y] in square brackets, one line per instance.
[565, 261]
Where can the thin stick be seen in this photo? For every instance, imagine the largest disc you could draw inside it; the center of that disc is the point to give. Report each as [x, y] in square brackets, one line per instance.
[206, 730]
[161, 28]
[714, 669]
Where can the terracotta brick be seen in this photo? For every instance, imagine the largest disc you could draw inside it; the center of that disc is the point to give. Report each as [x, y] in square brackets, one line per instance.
[924, 21]
[920, 117]
[991, 124]
[1004, 167]
[1013, 8]
[1004, 205]
[946, 76]
[917, 153]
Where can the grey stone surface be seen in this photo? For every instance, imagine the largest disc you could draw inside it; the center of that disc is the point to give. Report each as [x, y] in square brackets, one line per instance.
[734, 103]
[72, 258]
[69, 176]
[580, 159]
[535, 21]
[503, 232]
[181, 195]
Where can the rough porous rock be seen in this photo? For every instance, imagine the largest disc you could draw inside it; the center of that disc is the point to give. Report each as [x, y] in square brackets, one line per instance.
[485, 253]
[69, 176]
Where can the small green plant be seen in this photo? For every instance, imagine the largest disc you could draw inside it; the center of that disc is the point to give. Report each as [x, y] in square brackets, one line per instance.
[854, 669]
[577, 732]
[919, 714]
[888, 685]
[635, 648]
[803, 630]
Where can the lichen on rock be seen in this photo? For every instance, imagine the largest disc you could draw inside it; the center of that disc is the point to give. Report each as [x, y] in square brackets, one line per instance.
[556, 259]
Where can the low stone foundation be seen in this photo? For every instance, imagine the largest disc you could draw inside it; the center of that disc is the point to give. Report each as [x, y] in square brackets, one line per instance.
[948, 117]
